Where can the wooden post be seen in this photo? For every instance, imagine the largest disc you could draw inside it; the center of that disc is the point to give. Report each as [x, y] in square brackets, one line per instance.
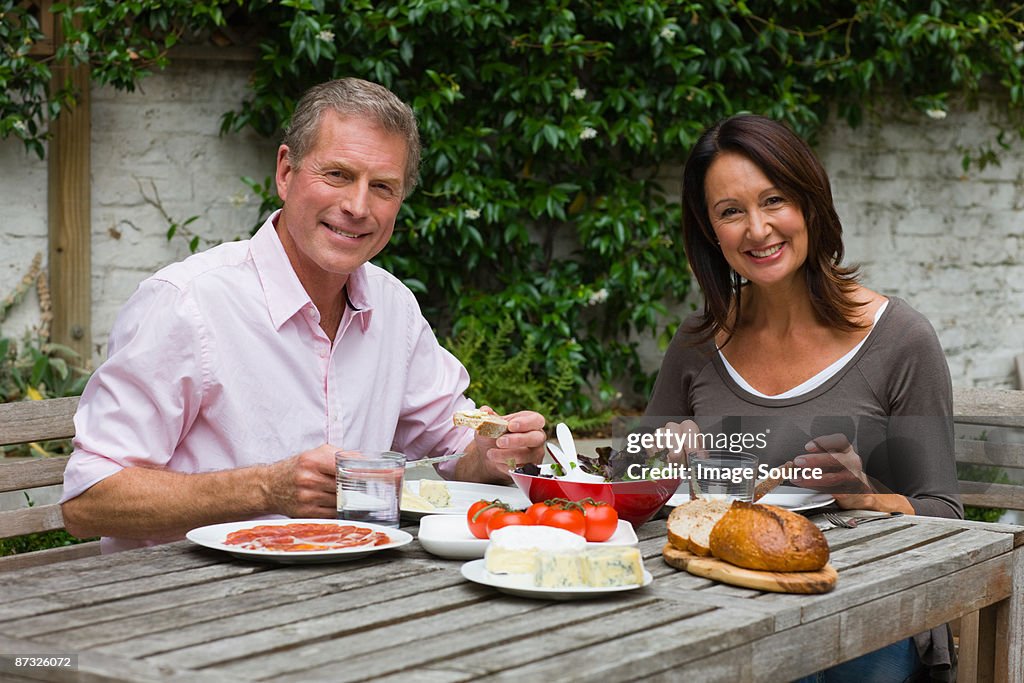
[70, 264]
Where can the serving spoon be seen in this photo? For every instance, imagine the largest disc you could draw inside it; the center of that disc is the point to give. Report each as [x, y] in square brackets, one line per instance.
[566, 456]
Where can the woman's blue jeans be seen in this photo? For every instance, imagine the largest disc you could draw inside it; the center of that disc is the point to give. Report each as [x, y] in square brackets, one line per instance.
[892, 664]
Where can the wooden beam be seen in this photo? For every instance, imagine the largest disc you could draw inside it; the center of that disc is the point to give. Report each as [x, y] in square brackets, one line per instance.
[70, 264]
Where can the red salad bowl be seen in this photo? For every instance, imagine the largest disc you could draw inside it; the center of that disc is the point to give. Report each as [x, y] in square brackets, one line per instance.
[635, 501]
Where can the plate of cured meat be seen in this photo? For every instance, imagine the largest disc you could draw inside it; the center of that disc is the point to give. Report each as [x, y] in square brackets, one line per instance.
[297, 541]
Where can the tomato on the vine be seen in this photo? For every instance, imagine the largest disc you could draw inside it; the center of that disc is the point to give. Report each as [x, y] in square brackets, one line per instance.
[601, 521]
[536, 511]
[480, 513]
[504, 519]
[570, 519]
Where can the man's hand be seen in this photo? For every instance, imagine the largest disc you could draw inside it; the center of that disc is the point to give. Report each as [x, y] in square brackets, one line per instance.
[303, 485]
[489, 460]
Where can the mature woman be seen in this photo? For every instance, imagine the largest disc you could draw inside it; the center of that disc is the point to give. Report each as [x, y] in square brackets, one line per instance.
[856, 380]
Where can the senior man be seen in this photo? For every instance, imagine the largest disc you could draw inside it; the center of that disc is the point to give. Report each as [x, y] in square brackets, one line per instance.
[234, 376]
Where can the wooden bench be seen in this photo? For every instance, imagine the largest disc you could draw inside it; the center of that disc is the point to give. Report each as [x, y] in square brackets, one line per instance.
[26, 422]
[990, 410]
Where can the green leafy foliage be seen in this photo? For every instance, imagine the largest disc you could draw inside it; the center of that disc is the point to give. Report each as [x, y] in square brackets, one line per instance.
[549, 127]
[36, 369]
[38, 541]
[506, 377]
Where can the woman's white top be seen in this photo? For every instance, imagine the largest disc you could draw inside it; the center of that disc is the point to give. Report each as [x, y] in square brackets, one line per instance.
[813, 382]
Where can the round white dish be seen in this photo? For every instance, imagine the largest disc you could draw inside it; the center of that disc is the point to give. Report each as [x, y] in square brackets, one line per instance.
[214, 535]
[522, 584]
[789, 497]
[464, 494]
[448, 536]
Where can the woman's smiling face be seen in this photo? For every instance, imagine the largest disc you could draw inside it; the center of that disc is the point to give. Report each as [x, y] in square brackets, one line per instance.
[761, 230]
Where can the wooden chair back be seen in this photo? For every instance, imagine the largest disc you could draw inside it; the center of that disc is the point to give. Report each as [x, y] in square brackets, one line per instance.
[981, 418]
[27, 422]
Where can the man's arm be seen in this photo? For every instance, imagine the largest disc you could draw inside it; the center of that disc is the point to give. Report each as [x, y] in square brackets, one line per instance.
[144, 503]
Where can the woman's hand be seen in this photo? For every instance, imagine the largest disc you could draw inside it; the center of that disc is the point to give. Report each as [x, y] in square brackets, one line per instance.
[683, 437]
[841, 468]
[843, 476]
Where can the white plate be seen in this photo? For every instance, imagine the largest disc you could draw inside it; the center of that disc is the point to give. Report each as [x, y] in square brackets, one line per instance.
[213, 536]
[789, 497]
[464, 494]
[522, 584]
[448, 536]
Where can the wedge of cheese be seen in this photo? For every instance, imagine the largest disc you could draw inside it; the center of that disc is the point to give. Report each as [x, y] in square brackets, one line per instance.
[559, 570]
[436, 492]
[613, 566]
[516, 549]
[413, 501]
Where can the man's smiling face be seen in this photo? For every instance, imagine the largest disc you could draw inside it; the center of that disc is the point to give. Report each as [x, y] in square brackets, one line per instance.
[341, 199]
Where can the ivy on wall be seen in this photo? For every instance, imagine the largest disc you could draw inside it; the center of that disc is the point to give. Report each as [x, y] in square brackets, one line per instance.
[549, 124]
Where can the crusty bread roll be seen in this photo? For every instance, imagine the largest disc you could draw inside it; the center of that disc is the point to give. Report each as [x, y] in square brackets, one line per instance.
[689, 525]
[768, 538]
[486, 424]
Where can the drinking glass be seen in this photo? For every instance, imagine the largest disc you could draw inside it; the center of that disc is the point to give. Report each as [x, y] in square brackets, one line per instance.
[369, 486]
[726, 475]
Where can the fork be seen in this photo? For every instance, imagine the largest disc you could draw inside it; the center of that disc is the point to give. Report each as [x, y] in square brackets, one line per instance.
[853, 522]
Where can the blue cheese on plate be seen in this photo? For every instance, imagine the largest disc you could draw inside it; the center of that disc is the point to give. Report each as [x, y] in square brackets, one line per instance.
[436, 492]
[613, 566]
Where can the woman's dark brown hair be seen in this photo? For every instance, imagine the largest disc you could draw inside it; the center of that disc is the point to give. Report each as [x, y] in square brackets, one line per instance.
[792, 167]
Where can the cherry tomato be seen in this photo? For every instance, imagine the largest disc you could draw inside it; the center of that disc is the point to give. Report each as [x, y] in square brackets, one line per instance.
[504, 519]
[536, 511]
[480, 513]
[568, 519]
[602, 520]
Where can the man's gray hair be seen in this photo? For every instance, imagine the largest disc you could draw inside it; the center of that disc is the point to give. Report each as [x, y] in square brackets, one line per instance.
[359, 98]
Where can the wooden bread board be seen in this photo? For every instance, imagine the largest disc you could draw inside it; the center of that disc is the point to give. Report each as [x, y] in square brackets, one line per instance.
[820, 581]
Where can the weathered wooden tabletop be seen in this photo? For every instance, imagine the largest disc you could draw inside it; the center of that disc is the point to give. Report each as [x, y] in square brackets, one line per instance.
[183, 613]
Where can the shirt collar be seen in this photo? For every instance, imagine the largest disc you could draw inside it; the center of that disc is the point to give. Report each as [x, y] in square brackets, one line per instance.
[284, 293]
[357, 293]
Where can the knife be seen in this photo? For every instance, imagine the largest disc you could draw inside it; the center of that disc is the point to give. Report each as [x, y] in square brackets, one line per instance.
[433, 461]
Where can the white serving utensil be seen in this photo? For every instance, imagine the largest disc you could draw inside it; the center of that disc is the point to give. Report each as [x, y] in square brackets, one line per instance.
[567, 456]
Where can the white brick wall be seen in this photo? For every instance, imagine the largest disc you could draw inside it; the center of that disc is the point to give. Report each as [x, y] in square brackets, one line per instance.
[951, 244]
[165, 136]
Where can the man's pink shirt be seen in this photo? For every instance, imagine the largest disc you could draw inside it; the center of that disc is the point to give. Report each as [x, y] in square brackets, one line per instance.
[219, 362]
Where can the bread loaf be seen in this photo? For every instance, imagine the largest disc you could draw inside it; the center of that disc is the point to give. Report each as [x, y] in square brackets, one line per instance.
[768, 538]
[486, 424]
[689, 525]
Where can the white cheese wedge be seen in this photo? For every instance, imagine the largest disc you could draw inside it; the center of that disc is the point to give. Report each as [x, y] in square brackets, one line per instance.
[436, 492]
[613, 566]
[514, 549]
[412, 501]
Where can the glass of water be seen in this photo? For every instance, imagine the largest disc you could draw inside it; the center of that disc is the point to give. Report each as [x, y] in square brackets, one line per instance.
[369, 486]
[725, 475]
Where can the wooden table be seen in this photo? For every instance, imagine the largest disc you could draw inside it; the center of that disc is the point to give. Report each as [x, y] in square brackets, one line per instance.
[183, 613]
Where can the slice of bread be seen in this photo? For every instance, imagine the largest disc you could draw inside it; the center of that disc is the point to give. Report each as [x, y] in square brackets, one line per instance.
[689, 525]
[486, 424]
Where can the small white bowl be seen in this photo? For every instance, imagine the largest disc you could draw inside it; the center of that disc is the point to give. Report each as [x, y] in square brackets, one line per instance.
[448, 536]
